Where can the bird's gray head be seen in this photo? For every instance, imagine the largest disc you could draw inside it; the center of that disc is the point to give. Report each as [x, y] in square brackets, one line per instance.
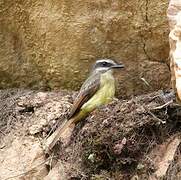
[103, 65]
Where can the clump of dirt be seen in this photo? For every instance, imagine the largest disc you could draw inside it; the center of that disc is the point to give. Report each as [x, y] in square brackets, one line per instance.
[127, 139]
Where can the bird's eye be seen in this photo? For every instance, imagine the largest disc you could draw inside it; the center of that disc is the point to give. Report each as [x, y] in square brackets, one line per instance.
[104, 63]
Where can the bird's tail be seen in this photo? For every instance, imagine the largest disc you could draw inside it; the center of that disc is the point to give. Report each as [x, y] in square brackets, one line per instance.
[64, 130]
[61, 132]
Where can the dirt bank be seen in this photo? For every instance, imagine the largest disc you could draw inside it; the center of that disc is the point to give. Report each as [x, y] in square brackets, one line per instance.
[128, 139]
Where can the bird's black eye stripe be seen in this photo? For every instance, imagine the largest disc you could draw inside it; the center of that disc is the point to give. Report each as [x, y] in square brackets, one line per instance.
[102, 64]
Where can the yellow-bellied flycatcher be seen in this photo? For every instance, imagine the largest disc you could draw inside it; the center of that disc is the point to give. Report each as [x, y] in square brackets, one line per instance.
[97, 90]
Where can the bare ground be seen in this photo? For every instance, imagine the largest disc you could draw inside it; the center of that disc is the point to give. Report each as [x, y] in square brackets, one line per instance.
[138, 138]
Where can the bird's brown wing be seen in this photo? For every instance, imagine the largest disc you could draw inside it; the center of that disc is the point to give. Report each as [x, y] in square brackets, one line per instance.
[88, 89]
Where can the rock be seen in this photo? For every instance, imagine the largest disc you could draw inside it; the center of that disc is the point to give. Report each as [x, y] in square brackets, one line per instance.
[23, 159]
[174, 16]
[165, 154]
[52, 44]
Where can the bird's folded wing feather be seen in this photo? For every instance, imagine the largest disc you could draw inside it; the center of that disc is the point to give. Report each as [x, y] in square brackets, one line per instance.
[88, 89]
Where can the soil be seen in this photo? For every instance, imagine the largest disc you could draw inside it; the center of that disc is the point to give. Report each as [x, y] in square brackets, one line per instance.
[136, 138]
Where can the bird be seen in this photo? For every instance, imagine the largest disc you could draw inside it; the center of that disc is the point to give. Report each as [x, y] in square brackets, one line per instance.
[97, 90]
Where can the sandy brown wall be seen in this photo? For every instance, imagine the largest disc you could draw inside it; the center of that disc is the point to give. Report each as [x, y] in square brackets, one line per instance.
[52, 43]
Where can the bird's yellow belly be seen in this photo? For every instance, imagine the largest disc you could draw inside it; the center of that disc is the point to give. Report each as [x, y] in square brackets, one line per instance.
[103, 96]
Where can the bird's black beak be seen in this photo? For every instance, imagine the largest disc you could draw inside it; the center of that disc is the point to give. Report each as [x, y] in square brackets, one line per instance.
[116, 66]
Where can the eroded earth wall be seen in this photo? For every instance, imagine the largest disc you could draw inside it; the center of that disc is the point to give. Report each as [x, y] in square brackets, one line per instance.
[51, 44]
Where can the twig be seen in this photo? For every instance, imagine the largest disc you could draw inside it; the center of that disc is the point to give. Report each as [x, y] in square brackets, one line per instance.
[159, 120]
[2, 133]
[3, 146]
[162, 106]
